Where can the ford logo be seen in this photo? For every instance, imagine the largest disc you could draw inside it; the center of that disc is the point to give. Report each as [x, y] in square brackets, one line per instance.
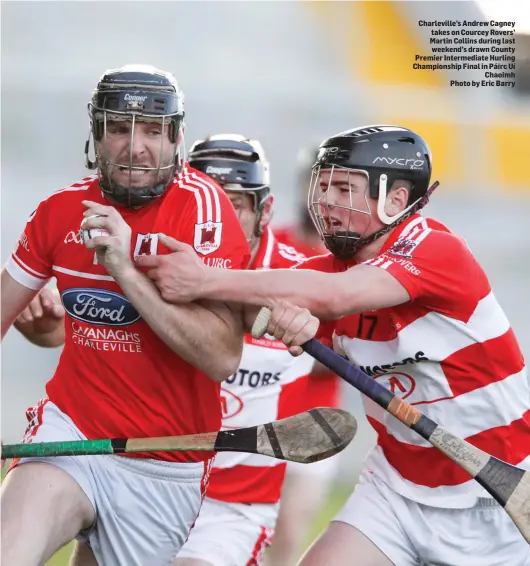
[98, 306]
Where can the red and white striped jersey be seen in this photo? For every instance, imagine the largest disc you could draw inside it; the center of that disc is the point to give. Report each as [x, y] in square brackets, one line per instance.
[450, 352]
[323, 386]
[116, 377]
[264, 388]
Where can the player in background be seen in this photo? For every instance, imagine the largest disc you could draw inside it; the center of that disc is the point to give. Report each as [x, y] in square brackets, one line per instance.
[409, 304]
[306, 487]
[238, 517]
[302, 232]
[132, 365]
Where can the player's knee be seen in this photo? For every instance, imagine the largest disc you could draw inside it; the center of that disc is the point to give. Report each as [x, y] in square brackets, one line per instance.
[50, 489]
[339, 543]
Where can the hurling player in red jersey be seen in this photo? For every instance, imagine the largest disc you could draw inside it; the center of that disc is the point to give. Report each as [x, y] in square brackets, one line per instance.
[133, 365]
[404, 299]
[306, 487]
[238, 515]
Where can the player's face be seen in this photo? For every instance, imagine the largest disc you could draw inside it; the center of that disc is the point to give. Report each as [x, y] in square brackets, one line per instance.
[142, 156]
[343, 202]
[243, 204]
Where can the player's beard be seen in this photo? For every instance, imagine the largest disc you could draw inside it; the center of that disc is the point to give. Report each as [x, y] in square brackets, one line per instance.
[132, 196]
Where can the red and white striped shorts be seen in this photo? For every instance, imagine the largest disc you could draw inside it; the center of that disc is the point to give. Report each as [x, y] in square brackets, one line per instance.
[231, 534]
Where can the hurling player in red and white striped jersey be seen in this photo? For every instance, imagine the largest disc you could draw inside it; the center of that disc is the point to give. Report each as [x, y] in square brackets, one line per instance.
[405, 299]
[133, 365]
[237, 520]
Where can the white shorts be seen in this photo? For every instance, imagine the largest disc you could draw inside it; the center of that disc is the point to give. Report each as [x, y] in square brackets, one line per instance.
[412, 534]
[231, 534]
[144, 508]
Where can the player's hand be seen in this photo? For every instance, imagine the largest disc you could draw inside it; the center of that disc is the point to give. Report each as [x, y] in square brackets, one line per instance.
[180, 275]
[43, 315]
[292, 325]
[113, 250]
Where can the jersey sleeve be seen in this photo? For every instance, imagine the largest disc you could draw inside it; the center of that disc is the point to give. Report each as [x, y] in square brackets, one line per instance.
[327, 264]
[31, 262]
[210, 225]
[439, 272]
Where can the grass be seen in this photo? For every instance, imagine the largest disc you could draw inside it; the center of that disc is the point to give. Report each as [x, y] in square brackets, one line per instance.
[62, 557]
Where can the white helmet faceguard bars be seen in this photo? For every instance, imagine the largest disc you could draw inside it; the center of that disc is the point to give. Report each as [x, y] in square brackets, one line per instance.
[136, 93]
[237, 164]
[384, 154]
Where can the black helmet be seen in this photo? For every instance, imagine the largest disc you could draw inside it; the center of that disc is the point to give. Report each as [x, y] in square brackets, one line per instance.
[237, 164]
[136, 93]
[385, 154]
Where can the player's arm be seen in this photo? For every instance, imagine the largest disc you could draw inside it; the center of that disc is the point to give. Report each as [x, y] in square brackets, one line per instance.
[181, 277]
[327, 295]
[29, 268]
[15, 297]
[207, 334]
[42, 321]
[193, 331]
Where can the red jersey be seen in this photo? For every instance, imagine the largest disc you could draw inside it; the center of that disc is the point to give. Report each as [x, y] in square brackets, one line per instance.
[323, 387]
[450, 351]
[116, 377]
[266, 387]
[290, 235]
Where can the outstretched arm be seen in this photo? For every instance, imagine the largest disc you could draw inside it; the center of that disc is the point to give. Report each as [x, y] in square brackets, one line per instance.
[182, 276]
[15, 298]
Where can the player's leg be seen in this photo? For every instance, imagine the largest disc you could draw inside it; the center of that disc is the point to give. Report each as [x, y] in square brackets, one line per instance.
[83, 555]
[43, 508]
[47, 500]
[339, 543]
[370, 526]
[303, 495]
[228, 534]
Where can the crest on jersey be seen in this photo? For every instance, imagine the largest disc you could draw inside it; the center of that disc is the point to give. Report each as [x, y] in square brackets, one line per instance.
[207, 238]
[146, 244]
[403, 248]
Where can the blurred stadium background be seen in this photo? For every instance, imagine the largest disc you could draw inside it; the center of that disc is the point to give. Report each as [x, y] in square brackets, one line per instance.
[289, 74]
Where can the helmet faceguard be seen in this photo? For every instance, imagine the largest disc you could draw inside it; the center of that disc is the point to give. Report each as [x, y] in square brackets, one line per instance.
[133, 95]
[383, 154]
[238, 164]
